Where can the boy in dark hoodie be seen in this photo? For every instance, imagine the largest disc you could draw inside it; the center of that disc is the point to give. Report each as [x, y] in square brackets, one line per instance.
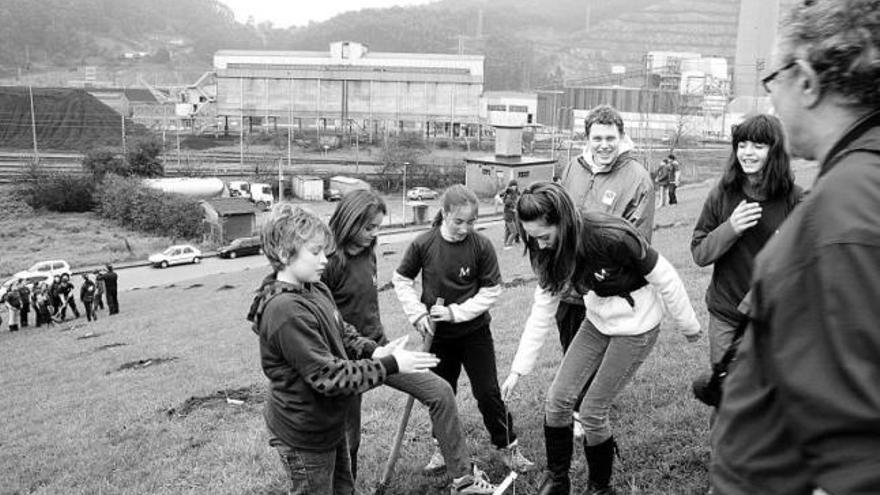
[316, 363]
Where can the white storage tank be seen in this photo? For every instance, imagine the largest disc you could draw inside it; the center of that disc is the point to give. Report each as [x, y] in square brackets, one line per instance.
[210, 187]
[345, 184]
[308, 187]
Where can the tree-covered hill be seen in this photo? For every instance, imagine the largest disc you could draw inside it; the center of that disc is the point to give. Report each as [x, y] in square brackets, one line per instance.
[527, 44]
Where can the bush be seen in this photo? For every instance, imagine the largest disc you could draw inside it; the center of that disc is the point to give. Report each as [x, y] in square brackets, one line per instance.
[56, 191]
[132, 205]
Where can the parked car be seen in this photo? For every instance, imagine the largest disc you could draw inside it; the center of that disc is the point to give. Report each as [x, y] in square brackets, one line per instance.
[242, 246]
[332, 194]
[50, 268]
[30, 281]
[420, 193]
[176, 255]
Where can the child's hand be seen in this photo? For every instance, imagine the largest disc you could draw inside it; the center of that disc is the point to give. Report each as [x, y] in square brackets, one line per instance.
[441, 313]
[389, 348]
[413, 361]
[509, 385]
[424, 326]
[745, 216]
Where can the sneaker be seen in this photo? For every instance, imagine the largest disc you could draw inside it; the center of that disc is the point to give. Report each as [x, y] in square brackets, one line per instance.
[476, 483]
[514, 460]
[436, 464]
[578, 427]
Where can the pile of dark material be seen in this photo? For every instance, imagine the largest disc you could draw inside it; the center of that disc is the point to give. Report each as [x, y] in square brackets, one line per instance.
[66, 119]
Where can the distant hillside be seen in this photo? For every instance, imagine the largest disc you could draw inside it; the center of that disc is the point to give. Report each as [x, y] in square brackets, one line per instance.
[70, 32]
[526, 44]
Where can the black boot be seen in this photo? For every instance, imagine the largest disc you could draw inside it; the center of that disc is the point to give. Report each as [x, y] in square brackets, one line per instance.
[558, 442]
[600, 462]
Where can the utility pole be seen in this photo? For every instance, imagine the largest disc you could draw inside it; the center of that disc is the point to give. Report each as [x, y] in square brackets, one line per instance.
[241, 124]
[759, 66]
[124, 154]
[403, 210]
[34, 126]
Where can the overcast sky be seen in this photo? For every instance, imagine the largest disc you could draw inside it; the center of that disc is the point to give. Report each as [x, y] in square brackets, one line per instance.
[300, 12]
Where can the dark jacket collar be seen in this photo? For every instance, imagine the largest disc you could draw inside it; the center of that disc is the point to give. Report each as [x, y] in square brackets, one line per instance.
[855, 139]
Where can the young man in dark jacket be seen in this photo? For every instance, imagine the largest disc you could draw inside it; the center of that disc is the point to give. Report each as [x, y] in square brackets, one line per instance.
[800, 412]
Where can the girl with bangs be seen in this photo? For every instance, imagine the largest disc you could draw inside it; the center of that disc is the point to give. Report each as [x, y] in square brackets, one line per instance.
[754, 196]
[626, 286]
[351, 276]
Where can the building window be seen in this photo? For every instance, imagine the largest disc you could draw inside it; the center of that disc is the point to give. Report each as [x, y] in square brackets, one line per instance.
[497, 108]
[486, 171]
[519, 108]
[523, 174]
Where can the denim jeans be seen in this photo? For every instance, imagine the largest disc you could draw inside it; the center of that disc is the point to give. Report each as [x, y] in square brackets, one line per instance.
[434, 392]
[476, 352]
[613, 361]
[720, 337]
[326, 472]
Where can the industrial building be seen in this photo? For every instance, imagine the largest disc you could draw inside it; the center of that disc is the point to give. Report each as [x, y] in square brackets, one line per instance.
[349, 88]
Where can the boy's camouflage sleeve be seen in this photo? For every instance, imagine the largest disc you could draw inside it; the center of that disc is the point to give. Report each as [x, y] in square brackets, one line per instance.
[303, 345]
[356, 345]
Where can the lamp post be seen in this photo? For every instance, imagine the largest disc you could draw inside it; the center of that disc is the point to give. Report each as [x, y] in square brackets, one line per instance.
[403, 209]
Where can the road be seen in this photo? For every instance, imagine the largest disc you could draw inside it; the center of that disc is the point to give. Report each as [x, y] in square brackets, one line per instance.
[143, 277]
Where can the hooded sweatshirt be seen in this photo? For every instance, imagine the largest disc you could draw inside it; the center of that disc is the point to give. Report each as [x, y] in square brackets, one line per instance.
[623, 189]
[316, 363]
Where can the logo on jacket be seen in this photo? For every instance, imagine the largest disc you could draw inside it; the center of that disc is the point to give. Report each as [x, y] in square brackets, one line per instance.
[464, 272]
[608, 197]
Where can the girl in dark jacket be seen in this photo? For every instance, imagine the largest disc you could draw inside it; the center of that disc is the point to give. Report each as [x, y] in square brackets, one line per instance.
[753, 197]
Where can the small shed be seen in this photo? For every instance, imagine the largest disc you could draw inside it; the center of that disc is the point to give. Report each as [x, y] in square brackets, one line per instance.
[229, 218]
[488, 175]
[308, 187]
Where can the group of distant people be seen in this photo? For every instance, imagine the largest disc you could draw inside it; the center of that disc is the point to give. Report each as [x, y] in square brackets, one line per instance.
[792, 297]
[50, 301]
[668, 178]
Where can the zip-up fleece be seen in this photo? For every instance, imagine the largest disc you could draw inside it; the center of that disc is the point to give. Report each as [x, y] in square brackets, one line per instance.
[315, 363]
[624, 190]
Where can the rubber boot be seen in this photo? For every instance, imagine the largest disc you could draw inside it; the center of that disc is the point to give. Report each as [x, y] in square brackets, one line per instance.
[558, 442]
[600, 462]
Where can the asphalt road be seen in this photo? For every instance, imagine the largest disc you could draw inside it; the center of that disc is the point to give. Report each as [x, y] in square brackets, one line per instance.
[142, 277]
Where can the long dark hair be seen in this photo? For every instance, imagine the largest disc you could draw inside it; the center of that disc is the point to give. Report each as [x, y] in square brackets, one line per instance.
[606, 241]
[355, 210]
[777, 179]
[551, 203]
[454, 196]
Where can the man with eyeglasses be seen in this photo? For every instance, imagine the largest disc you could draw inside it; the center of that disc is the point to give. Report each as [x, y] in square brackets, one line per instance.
[801, 407]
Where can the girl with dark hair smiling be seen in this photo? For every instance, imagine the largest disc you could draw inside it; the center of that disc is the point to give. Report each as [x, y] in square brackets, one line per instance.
[753, 197]
[351, 277]
[626, 285]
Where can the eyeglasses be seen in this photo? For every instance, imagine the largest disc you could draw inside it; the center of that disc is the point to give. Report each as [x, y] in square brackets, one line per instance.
[765, 82]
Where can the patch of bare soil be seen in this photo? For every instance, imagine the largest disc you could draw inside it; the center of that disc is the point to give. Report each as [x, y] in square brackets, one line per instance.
[144, 363]
[252, 395]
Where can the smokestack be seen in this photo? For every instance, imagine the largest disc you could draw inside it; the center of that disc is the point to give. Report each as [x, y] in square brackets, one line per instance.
[479, 23]
[587, 14]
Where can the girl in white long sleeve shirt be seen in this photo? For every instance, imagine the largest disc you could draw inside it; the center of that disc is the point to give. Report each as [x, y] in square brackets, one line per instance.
[627, 285]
